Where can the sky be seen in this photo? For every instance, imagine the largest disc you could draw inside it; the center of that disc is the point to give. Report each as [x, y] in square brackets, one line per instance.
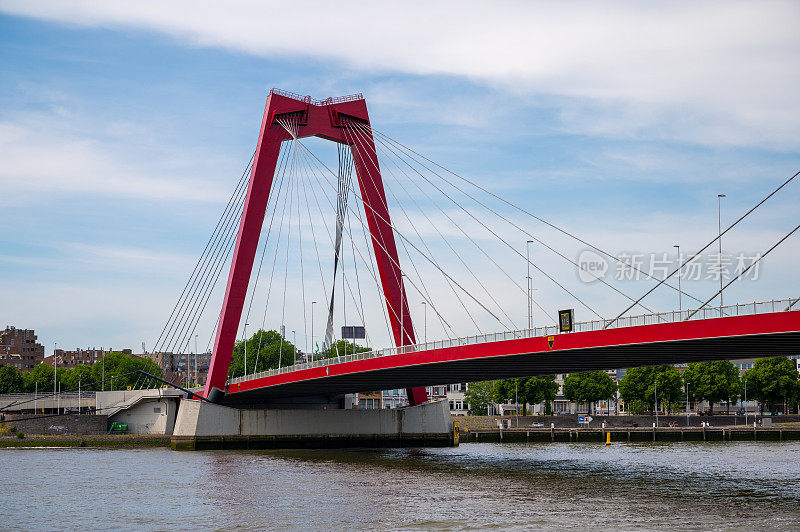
[124, 128]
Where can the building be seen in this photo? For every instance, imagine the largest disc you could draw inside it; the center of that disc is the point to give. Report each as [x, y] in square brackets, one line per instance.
[19, 348]
[369, 400]
[396, 398]
[89, 356]
[182, 368]
[455, 398]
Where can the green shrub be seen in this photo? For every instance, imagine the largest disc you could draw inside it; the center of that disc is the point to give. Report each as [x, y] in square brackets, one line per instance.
[20, 435]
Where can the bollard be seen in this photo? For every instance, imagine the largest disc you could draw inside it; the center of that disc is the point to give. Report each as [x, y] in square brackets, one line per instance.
[608, 438]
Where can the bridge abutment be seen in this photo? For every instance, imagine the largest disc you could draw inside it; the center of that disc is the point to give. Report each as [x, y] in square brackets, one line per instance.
[203, 425]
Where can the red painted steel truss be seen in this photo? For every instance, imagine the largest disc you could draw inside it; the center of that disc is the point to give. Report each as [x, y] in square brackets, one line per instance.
[323, 119]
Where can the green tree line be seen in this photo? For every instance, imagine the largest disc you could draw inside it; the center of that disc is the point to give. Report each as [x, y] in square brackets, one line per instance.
[265, 349]
[120, 371]
[771, 381]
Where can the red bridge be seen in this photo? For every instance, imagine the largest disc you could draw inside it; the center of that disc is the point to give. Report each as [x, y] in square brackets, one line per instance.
[704, 333]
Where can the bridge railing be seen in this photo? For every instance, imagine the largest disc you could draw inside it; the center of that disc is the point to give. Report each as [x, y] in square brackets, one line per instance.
[309, 99]
[739, 309]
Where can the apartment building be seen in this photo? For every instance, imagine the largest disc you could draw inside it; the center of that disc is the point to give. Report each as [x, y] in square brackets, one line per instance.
[19, 348]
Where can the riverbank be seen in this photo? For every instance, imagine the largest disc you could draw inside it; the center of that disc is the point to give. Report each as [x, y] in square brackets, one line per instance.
[566, 421]
[108, 441]
[652, 434]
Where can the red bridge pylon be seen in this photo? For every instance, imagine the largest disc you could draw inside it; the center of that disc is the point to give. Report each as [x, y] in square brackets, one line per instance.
[325, 119]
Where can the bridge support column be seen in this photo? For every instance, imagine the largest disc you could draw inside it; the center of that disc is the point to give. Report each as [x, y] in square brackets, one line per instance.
[206, 425]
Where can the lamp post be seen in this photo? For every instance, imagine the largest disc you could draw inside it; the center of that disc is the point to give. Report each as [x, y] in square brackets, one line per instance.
[312, 326]
[55, 374]
[680, 272]
[687, 404]
[528, 264]
[245, 348]
[655, 393]
[745, 401]
[425, 321]
[195, 360]
[402, 313]
[719, 262]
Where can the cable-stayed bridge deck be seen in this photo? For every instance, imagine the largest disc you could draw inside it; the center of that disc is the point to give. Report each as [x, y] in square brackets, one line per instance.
[754, 329]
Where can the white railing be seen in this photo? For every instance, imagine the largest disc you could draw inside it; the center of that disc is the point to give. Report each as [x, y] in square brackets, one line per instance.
[762, 307]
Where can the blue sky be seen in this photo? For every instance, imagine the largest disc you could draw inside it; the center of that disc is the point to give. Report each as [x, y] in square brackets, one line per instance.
[124, 128]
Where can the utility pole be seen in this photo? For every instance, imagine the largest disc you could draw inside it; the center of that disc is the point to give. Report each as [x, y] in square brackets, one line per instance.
[680, 273]
[516, 400]
[719, 228]
[528, 264]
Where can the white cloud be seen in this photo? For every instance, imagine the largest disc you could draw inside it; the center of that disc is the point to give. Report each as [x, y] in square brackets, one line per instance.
[707, 72]
[39, 157]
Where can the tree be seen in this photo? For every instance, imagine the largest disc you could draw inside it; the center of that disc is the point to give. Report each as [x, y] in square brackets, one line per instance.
[79, 377]
[121, 370]
[478, 396]
[714, 382]
[11, 380]
[642, 384]
[526, 391]
[542, 389]
[342, 348]
[507, 390]
[589, 386]
[772, 380]
[263, 350]
[39, 378]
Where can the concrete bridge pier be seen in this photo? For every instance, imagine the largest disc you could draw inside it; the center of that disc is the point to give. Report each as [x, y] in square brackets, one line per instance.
[204, 425]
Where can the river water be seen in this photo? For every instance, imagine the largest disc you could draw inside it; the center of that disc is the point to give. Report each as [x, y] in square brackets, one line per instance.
[726, 486]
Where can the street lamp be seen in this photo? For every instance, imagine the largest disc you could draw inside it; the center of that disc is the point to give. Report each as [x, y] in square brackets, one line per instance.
[312, 327]
[687, 403]
[680, 272]
[530, 308]
[402, 309]
[55, 372]
[425, 321]
[195, 360]
[745, 400]
[655, 393]
[245, 348]
[719, 228]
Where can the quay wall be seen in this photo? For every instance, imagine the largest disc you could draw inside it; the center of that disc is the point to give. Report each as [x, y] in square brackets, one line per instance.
[68, 424]
[578, 435]
[571, 421]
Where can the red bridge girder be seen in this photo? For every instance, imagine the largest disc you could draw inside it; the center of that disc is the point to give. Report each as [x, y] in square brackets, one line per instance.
[734, 337]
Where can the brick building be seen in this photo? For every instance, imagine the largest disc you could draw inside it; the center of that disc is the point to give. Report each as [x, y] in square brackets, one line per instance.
[89, 356]
[18, 348]
[180, 367]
